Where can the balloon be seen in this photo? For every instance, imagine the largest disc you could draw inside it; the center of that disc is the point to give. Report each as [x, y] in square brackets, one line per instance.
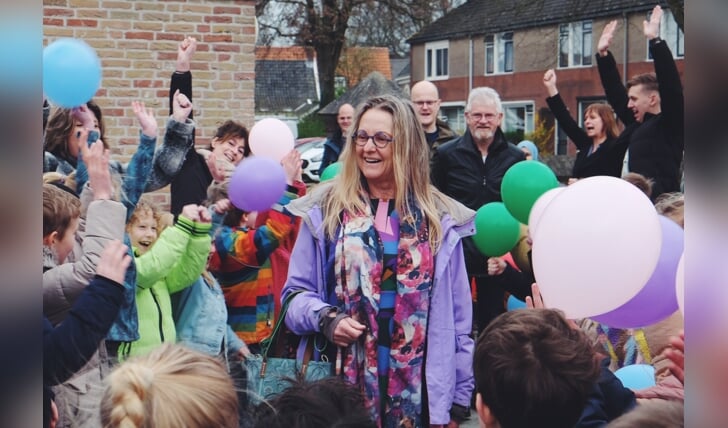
[636, 376]
[522, 185]
[256, 184]
[541, 203]
[680, 284]
[514, 303]
[271, 138]
[71, 72]
[496, 231]
[596, 246]
[658, 299]
[521, 249]
[331, 171]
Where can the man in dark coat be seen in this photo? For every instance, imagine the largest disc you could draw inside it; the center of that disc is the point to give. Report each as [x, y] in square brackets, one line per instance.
[470, 169]
[426, 98]
[651, 107]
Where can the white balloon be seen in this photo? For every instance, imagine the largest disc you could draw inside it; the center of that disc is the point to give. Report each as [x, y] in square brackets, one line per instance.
[680, 284]
[540, 206]
[596, 246]
[271, 138]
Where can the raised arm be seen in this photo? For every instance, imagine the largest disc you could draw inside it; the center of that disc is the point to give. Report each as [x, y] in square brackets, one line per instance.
[672, 102]
[561, 113]
[105, 220]
[192, 263]
[608, 73]
[182, 77]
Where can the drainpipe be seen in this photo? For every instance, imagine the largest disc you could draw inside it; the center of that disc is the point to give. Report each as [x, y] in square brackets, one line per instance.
[470, 65]
[625, 54]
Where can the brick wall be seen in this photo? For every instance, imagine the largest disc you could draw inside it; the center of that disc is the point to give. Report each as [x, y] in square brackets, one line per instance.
[137, 43]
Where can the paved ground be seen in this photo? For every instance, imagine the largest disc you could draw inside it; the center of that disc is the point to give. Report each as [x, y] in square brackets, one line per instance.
[473, 422]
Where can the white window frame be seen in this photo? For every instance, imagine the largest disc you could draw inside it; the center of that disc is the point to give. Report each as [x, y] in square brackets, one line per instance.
[576, 32]
[431, 52]
[529, 116]
[671, 34]
[498, 44]
[458, 125]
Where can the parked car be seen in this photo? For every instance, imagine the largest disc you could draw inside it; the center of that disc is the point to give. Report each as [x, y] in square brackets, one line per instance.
[312, 152]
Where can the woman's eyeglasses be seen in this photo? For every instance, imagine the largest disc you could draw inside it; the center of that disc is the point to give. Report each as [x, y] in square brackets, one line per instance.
[380, 139]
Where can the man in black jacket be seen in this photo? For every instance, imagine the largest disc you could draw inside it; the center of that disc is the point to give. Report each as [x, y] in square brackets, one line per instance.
[470, 170]
[651, 108]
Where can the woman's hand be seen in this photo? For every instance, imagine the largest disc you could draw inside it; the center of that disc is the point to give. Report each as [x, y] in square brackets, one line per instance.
[347, 331]
[146, 119]
[549, 81]
[186, 48]
[181, 107]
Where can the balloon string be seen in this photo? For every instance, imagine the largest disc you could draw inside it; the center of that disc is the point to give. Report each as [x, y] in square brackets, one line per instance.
[639, 336]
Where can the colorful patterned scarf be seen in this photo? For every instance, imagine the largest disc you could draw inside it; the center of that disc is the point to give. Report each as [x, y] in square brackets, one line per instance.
[358, 270]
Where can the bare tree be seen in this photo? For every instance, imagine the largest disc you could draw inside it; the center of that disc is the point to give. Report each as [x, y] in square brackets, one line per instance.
[323, 25]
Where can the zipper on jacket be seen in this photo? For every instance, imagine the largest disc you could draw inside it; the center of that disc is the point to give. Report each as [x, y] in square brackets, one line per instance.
[159, 313]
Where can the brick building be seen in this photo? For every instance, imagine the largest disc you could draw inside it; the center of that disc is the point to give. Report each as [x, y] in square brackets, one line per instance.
[137, 43]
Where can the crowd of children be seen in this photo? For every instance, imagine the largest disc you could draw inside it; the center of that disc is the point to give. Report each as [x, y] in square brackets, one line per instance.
[149, 315]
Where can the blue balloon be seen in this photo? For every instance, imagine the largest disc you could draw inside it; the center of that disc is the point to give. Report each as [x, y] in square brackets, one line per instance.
[636, 376]
[71, 72]
[514, 303]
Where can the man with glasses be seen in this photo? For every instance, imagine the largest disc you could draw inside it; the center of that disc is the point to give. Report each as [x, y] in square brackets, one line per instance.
[470, 170]
[425, 97]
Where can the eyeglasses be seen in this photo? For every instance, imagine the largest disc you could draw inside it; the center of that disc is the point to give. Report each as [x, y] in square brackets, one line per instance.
[380, 138]
[480, 116]
[425, 103]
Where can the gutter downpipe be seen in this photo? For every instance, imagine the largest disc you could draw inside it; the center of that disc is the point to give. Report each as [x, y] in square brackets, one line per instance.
[625, 55]
[470, 65]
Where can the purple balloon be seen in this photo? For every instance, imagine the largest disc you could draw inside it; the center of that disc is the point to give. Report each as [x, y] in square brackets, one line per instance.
[257, 183]
[657, 300]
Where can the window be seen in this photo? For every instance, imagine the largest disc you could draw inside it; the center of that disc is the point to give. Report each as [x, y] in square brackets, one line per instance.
[499, 53]
[575, 44]
[671, 34]
[436, 61]
[517, 120]
[454, 115]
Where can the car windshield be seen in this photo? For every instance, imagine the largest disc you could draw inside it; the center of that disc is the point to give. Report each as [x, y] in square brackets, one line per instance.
[309, 145]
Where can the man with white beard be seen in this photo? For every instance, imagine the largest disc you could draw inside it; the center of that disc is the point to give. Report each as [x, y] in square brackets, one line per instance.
[470, 169]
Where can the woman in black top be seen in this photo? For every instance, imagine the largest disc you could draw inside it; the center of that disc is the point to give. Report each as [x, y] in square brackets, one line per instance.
[599, 151]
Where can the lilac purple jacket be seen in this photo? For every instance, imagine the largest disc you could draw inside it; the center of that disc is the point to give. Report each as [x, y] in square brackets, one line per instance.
[449, 355]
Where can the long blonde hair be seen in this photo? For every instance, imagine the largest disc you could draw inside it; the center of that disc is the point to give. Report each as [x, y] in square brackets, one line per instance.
[411, 164]
[170, 387]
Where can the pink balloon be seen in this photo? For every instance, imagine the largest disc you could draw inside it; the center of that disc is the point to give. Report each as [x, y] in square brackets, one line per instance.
[680, 284]
[538, 208]
[596, 246]
[271, 138]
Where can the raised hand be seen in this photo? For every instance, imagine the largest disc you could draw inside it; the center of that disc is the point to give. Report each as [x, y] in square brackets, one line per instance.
[535, 302]
[146, 119]
[651, 28]
[549, 81]
[96, 158]
[606, 38]
[219, 167]
[185, 49]
[203, 214]
[676, 355]
[181, 107]
[222, 206]
[191, 212]
[292, 163]
[114, 261]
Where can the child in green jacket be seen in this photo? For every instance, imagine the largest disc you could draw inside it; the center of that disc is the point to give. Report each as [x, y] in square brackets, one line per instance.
[165, 263]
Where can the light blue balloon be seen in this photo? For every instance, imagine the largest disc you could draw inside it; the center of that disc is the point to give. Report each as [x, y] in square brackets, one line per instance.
[514, 303]
[636, 376]
[71, 72]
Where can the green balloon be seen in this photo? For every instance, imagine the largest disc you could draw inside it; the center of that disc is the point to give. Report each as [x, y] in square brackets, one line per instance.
[496, 231]
[523, 183]
[331, 171]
